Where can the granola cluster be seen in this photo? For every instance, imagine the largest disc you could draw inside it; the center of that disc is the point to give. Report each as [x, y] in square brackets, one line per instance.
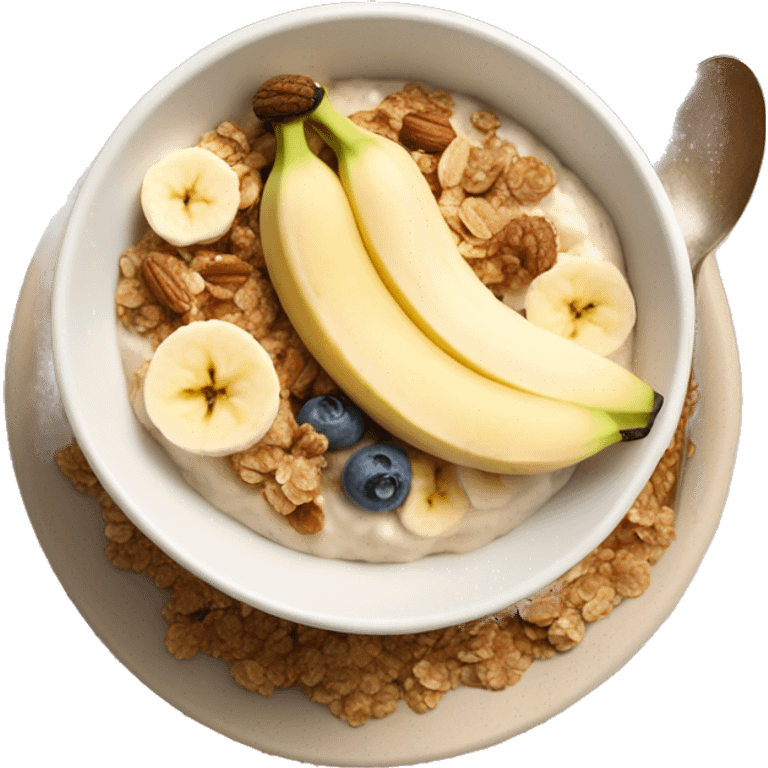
[359, 677]
[486, 191]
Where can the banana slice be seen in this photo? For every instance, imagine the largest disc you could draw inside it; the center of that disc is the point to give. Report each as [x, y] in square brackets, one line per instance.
[190, 196]
[436, 501]
[583, 299]
[571, 227]
[211, 388]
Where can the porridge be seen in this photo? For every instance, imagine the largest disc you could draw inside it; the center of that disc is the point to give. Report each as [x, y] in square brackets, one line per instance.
[515, 213]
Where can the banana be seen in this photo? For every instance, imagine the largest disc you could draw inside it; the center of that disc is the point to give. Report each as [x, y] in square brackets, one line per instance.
[211, 388]
[436, 501]
[584, 299]
[190, 196]
[361, 336]
[571, 227]
[414, 252]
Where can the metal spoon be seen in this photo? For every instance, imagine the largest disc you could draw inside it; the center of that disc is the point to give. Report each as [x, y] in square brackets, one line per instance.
[712, 161]
[713, 158]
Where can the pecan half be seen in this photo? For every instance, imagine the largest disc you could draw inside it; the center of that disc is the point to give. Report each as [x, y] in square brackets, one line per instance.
[164, 276]
[430, 131]
[222, 268]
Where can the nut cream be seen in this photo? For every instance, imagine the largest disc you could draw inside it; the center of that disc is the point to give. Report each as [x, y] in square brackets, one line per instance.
[497, 503]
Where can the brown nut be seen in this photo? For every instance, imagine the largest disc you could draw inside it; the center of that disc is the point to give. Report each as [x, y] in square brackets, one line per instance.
[430, 131]
[222, 268]
[285, 97]
[163, 275]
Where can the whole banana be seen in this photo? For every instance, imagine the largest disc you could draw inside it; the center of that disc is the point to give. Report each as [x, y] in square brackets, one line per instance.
[414, 252]
[359, 333]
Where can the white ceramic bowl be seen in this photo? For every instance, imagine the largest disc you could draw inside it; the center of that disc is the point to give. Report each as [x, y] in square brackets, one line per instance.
[376, 40]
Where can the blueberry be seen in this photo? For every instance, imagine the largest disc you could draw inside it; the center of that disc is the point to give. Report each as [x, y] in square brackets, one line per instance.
[377, 477]
[334, 417]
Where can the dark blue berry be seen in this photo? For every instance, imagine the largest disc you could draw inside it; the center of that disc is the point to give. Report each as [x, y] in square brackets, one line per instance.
[377, 477]
[336, 418]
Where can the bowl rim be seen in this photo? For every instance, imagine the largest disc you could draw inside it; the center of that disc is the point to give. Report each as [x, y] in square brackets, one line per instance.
[204, 59]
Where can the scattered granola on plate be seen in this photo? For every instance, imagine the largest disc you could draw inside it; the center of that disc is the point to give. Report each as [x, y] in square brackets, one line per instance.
[359, 677]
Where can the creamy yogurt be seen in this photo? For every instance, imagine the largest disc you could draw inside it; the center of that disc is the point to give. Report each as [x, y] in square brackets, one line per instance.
[498, 503]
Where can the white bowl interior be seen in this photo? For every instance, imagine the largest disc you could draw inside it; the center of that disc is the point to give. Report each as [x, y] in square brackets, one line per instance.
[377, 40]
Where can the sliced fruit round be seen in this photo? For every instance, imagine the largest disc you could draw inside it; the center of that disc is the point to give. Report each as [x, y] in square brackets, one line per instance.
[190, 196]
[583, 299]
[436, 502]
[211, 388]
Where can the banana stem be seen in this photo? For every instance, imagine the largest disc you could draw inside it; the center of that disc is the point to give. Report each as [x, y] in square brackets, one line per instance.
[292, 146]
[339, 131]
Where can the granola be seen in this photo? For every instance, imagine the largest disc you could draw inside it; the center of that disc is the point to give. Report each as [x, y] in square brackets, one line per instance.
[360, 677]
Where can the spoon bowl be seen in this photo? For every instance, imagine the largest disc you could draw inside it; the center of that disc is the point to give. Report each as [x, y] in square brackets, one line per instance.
[713, 159]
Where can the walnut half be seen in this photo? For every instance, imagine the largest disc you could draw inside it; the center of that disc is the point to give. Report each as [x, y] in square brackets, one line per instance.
[523, 249]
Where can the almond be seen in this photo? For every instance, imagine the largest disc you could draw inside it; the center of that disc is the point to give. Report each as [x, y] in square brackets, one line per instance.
[430, 131]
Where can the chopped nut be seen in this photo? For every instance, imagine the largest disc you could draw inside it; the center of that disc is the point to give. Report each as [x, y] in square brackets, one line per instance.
[413, 98]
[234, 132]
[222, 146]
